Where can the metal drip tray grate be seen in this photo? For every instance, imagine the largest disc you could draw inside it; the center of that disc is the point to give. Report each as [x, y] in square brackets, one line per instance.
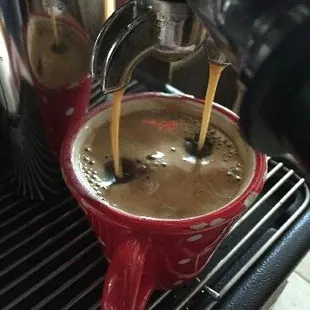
[284, 198]
[50, 259]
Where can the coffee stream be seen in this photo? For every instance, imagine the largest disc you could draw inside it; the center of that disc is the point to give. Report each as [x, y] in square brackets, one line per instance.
[108, 8]
[57, 47]
[57, 65]
[114, 129]
[215, 72]
[200, 148]
[54, 22]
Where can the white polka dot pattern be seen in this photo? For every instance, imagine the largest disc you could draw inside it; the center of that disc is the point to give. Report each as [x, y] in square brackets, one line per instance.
[249, 201]
[199, 226]
[69, 112]
[194, 238]
[217, 222]
[184, 261]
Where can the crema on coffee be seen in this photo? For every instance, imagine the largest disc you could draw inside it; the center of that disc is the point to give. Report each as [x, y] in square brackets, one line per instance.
[57, 65]
[162, 177]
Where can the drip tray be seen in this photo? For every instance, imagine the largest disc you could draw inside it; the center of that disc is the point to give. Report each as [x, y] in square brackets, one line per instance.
[50, 259]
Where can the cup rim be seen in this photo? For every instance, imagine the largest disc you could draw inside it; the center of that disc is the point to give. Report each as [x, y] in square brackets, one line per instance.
[84, 195]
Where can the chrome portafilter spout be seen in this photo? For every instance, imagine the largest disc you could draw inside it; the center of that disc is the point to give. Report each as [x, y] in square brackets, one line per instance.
[214, 53]
[166, 30]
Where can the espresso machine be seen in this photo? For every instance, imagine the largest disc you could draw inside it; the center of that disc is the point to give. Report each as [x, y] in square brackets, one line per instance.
[265, 42]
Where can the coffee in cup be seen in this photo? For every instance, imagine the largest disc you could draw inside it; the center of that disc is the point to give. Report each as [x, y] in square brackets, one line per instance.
[163, 175]
[57, 64]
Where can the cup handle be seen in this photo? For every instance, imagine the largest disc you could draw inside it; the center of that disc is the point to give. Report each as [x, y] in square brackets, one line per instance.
[126, 286]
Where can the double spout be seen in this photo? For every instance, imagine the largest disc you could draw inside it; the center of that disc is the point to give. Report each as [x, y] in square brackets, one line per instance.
[168, 30]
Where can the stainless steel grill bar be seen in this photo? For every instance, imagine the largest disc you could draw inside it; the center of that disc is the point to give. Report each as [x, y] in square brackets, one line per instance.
[214, 294]
[96, 84]
[11, 205]
[95, 93]
[64, 286]
[6, 195]
[34, 220]
[45, 261]
[50, 276]
[36, 234]
[270, 242]
[96, 306]
[159, 300]
[274, 170]
[19, 215]
[98, 282]
[263, 199]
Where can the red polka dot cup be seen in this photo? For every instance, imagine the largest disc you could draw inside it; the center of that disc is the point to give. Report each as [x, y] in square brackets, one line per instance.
[148, 254]
[62, 105]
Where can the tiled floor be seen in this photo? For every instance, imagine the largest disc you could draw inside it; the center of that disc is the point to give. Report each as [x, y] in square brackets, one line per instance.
[296, 295]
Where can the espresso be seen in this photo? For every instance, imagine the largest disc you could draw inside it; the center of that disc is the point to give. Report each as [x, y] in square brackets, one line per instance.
[114, 130]
[161, 176]
[215, 72]
[57, 61]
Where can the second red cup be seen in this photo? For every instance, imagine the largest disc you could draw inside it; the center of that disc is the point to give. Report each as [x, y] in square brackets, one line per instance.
[61, 74]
